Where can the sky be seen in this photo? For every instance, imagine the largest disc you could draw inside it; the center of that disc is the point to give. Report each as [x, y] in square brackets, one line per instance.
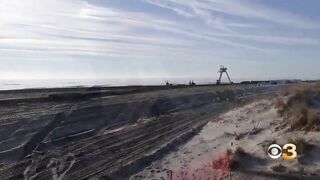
[83, 39]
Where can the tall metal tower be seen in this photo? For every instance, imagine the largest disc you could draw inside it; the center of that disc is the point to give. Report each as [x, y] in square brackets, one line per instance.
[221, 71]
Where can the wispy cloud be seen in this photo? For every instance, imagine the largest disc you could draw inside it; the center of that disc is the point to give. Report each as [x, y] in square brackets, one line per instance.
[177, 30]
[76, 26]
[209, 9]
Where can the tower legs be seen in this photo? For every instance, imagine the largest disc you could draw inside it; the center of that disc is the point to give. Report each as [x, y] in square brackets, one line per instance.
[219, 80]
[229, 78]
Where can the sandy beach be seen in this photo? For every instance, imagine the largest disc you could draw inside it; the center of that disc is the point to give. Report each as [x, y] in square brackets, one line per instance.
[246, 132]
[159, 90]
[118, 132]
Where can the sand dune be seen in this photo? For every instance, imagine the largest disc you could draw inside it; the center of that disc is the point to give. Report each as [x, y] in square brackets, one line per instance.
[250, 129]
[105, 134]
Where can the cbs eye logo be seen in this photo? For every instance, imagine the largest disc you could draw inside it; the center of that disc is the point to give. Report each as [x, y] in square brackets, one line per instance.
[288, 151]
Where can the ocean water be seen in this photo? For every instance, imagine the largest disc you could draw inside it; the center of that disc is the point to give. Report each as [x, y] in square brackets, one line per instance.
[53, 83]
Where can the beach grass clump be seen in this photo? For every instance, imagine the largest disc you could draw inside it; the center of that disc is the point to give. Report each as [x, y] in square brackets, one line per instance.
[236, 158]
[300, 108]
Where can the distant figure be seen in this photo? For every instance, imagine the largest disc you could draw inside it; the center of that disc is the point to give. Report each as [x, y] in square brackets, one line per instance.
[168, 84]
[191, 83]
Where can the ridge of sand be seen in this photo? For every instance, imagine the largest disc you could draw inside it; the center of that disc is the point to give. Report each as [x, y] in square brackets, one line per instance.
[252, 127]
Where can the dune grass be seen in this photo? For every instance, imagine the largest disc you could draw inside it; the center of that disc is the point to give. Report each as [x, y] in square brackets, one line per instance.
[300, 108]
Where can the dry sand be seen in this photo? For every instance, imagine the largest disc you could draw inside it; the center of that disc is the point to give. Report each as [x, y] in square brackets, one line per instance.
[112, 133]
[252, 127]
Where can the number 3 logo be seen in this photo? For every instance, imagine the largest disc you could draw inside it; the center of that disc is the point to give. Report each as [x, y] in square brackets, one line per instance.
[289, 151]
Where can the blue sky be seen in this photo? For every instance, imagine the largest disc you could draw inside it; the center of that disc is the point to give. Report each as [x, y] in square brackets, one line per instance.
[72, 39]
